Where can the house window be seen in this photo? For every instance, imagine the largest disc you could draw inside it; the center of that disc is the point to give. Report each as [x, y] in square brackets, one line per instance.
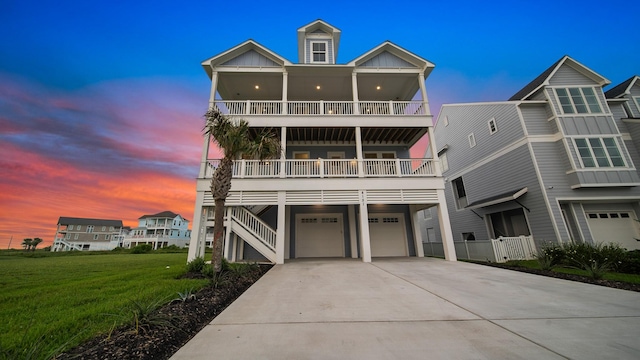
[70, 227]
[637, 99]
[89, 228]
[427, 214]
[301, 155]
[107, 236]
[110, 228]
[104, 228]
[472, 140]
[76, 236]
[468, 236]
[599, 152]
[68, 236]
[95, 237]
[379, 155]
[492, 126]
[446, 121]
[578, 100]
[459, 193]
[79, 227]
[444, 162]
[318, 52]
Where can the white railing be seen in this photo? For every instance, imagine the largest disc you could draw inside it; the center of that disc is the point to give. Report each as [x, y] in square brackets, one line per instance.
[514, 248]
[262, 107]
[326, 168]
[497, 250]
[255, 225]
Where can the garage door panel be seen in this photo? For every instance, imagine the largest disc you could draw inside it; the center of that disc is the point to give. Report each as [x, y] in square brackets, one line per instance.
[319, 235]
[614, 226]
[387, 235]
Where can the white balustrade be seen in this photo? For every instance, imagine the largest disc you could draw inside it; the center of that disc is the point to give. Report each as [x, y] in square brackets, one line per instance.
[255, 225]
[275, 107]
[326, 168]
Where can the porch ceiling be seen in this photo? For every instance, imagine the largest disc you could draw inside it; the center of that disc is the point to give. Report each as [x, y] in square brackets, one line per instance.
[370, 135]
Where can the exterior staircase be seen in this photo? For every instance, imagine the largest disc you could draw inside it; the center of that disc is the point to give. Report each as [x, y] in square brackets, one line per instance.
[68, 245]
[253, 230]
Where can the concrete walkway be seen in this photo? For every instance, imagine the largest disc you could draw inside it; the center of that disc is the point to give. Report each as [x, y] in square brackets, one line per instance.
[419, 308]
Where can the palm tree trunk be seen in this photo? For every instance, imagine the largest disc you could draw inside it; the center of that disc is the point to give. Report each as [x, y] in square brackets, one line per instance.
[220, 186]
[218, 235]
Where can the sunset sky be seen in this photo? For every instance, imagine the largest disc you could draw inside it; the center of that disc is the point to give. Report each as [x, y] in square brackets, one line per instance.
[101, 103]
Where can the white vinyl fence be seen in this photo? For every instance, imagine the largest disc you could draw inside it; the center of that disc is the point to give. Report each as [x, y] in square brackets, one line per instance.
[497, 250]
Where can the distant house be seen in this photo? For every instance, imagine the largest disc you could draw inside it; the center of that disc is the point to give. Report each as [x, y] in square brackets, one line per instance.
[83, 234]
[159, 230]
[555, 163]
[345, 185]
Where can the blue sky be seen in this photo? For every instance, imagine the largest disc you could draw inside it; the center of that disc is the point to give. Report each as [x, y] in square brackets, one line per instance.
[101, 103]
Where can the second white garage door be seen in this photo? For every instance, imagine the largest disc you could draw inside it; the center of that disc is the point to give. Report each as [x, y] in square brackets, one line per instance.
[319, 235]
[388, 235]
[614, 226]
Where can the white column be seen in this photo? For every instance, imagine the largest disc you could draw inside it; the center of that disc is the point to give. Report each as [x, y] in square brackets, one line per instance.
[423, 92]
[287, 232]
[354, 87]
[234, 248]
[227, 236]
[434, 152]
[353, 234]
[359, 152]
[280, 230]
[445, 228]
[365, 242]
[283, 155]
[417, 232]
[198, 241]
[207, 138]
[285, 89]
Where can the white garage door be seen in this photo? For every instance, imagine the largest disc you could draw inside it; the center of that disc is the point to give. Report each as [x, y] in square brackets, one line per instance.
[614, 226]
[319, 235]
[388, 235]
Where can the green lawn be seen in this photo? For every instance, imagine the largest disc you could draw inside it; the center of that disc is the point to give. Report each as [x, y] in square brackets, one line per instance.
[55, 302]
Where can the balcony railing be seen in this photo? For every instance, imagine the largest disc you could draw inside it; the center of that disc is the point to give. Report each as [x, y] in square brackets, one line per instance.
[328, 168]
[253, 107]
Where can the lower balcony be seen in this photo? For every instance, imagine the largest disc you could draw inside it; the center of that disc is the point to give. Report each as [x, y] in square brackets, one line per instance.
[328, 168]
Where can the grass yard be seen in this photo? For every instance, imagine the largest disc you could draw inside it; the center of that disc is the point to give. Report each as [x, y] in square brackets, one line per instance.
[533, 264]
[54, 302]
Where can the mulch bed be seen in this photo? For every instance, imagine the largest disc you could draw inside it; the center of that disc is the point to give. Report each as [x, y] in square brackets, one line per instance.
[161, 342]
[572, 277]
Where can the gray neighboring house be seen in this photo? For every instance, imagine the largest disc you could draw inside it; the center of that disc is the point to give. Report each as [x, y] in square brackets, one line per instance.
[555, 163]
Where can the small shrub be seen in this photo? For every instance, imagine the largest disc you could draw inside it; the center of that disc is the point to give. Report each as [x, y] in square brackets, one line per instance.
[196, 265]
[185, 296]
[207, 270]
[141, 249]
[550, 256]
[631, 263]
[143, 315]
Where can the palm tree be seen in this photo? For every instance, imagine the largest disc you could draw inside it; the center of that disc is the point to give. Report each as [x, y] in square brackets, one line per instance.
[35, 242]
[26, 243]
[235, 140]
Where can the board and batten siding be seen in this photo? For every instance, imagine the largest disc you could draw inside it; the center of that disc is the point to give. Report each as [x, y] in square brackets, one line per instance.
[251, 58]
[588, 125]
[632, 103]
[474, 118]
[387, 60]
[308, 49]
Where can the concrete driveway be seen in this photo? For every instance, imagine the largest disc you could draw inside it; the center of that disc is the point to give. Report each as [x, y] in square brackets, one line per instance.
[419, 308]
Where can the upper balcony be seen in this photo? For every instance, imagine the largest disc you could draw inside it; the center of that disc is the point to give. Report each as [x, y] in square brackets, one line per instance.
[301, 108]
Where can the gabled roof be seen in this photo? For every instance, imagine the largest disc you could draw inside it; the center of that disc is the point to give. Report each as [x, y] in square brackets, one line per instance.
[622, 88]
[396, 50]
[164, 214]
[63, 220]
[239, 50]
[543, 79]
[314, 26]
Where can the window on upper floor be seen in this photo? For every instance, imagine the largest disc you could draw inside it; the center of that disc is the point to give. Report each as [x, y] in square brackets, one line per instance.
[472, 140]
[459, 193]
[104, 228]
[76, 236]
[637, 99]
[578, 100]
[89, 228]
[70, 227]
[492, 126]
[111, 228]
[107, 236]
[95, 236]
[318, 51]
[599, 152]
[78, 227]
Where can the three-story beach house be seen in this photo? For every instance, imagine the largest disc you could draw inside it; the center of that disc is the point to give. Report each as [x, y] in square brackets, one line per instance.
[345, 184]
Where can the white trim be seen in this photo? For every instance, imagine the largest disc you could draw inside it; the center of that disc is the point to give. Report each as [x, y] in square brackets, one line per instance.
[472, 140]
[573, 105]
[341, 154]
[323, 41]
[600, 185]
[446, 120]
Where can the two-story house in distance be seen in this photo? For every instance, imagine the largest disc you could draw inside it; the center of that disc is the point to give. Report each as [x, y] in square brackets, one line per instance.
[555, 163]
[345, 185]
[159, 230]
[83, 234]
